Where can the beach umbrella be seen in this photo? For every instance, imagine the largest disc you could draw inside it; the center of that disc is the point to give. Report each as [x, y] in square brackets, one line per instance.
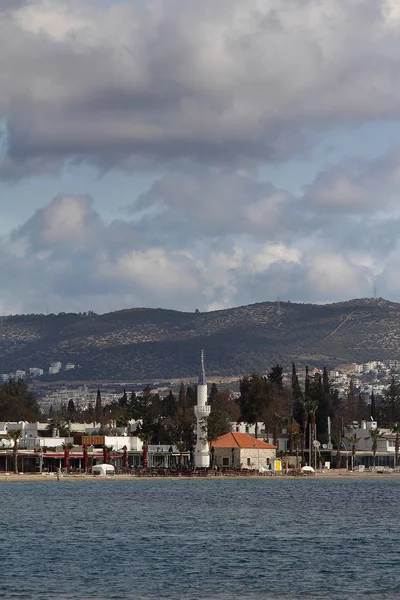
[66, 458]
[85, 458]
[212, 452]
[233, 457]
[125, 457]
[307, 469]
[144, 456]
[105, 454]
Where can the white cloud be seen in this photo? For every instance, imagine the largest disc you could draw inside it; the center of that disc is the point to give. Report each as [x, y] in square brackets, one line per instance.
[206, 92]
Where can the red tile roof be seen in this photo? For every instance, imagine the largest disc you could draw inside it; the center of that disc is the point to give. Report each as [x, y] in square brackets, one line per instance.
[240, 440]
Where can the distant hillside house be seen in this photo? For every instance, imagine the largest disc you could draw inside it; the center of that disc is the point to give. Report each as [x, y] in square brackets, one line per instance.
[239, 450]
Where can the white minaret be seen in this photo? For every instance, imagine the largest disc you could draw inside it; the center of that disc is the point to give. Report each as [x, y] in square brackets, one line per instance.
[202, 410]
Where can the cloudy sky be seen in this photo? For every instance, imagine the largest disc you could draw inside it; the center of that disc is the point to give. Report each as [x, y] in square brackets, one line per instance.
[190, 154]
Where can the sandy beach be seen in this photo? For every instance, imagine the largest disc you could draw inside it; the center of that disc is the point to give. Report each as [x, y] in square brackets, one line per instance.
[320, 475]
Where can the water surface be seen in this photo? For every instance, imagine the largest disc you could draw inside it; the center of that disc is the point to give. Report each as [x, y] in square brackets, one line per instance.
[200, 539]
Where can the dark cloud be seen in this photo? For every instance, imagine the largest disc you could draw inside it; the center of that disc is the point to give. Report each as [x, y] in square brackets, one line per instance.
[124, 85]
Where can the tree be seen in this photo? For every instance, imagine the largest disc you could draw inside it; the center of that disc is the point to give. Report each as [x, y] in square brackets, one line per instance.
[253, 399]
[351, 402]
[296, 438]
[396, 431]
[123, 401]
[98, 413]
[170, 405]
[312, 410]
[353, 441]
[71, 409]
[218, 423]
[326, 384]
[337, 441]
[325, 396]
[374, 435]
[304, 423]
[14, 435]
[373, 406]
[191, 396]
[307, 384]
[275, 376]
[90, 412]
[296, 396]
[390, 405]
[18, 402]
[182, 396]
[59, 424]
[362, 409]
[213, 393]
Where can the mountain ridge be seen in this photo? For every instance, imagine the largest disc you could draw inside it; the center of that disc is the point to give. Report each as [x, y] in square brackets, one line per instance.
[155, 343]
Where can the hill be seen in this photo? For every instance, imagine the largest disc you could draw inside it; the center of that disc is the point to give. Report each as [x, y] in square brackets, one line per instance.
[152, 344]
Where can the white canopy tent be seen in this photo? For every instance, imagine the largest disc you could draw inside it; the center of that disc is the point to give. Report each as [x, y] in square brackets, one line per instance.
[103, 469]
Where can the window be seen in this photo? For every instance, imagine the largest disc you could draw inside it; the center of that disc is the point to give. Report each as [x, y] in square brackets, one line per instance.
[391, 443]
[225, 462]
[247, 429]
[248, 462]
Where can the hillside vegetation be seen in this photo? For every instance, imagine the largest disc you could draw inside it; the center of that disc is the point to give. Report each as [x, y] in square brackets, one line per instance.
[152, 344]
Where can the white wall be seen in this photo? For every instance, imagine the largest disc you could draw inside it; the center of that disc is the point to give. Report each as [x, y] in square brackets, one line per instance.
[118, 442]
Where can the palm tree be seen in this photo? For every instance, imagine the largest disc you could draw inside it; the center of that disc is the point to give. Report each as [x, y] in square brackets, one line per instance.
[312, 410]
[353, 441]
[396, 430]
[304, 418]
[337, 440]
[14, 435]
[181, 447]
[296, 438]
[374, 435]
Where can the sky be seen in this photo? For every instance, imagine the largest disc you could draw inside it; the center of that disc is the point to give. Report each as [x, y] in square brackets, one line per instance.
[198, 155]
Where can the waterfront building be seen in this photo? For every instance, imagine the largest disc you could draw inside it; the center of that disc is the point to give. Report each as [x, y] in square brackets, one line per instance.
[239, 450]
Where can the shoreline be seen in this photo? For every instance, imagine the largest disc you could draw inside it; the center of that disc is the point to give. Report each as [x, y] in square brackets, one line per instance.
[330, 475]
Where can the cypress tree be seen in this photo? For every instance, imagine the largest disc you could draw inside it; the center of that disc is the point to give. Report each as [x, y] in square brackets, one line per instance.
[307, 385]
[351, 402]
[297, 396]
[373, 406]
[213, 393]
[275, 376]
[97, 408]
[123, 401]
[182, 396]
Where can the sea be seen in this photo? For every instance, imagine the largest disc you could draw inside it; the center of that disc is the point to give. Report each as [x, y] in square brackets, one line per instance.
[194, 539]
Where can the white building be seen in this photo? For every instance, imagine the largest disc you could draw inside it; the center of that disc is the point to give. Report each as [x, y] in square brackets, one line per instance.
[35, 372]
[238, 450]
[202, 411]
[55, 368]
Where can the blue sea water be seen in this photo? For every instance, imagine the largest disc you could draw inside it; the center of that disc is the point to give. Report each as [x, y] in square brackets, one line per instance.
[204, 539]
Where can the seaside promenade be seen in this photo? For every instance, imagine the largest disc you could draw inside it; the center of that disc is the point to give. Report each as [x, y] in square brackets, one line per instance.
[333, 474]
